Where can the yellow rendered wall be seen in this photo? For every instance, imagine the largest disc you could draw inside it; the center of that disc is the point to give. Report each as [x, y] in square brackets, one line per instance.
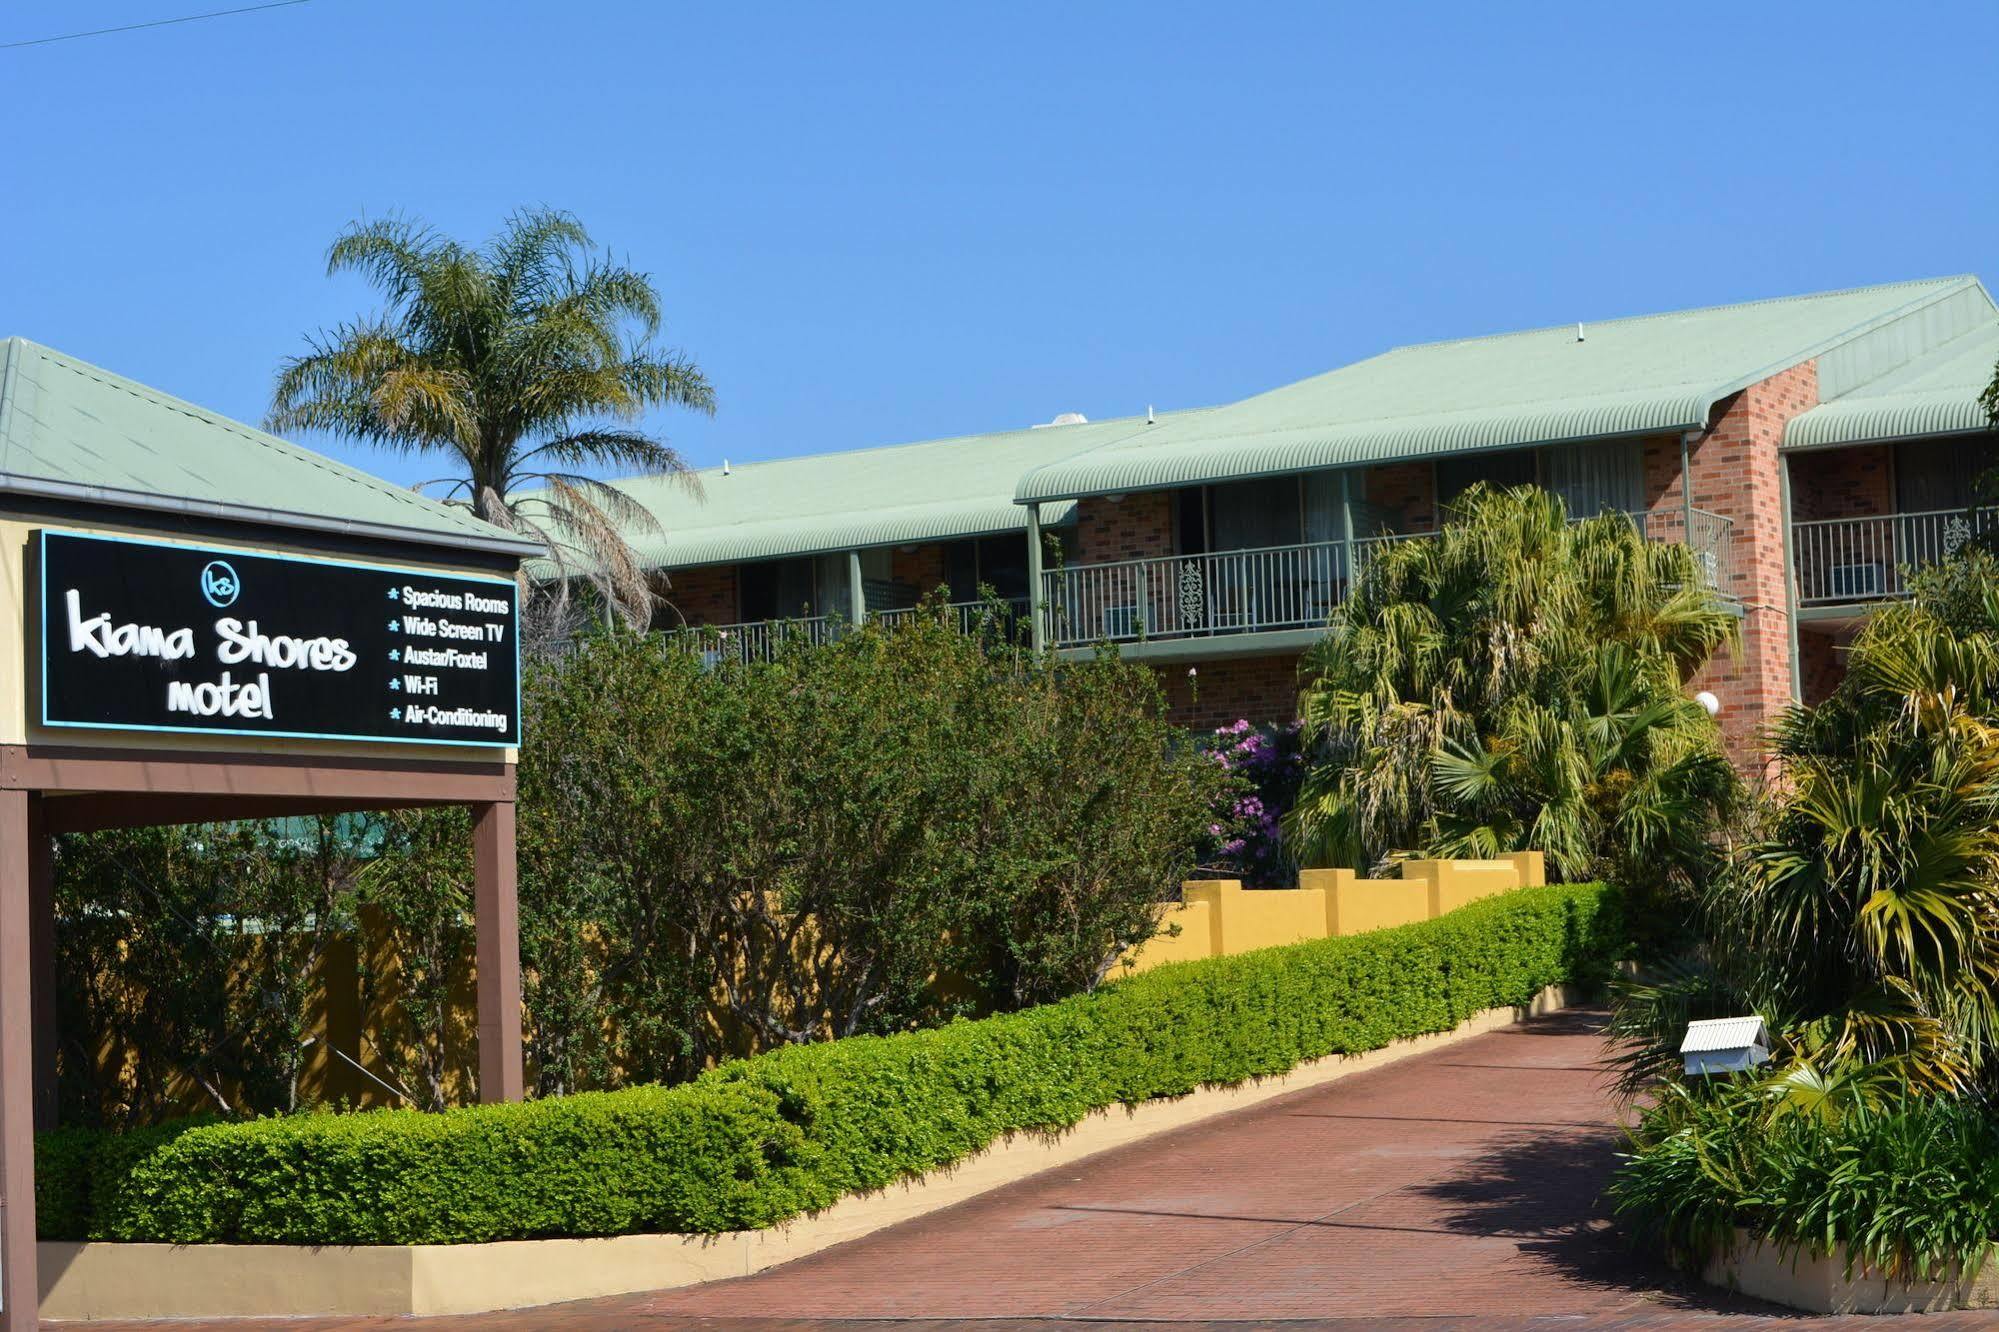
[1218, 917]
[1245, 918]
[1186, 933]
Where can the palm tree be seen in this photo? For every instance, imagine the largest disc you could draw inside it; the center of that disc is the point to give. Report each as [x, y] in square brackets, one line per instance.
[1518, 681]
[1863, 921]
[526, 362]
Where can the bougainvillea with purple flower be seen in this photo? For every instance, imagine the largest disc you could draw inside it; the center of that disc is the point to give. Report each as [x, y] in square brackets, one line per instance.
[1248, 829]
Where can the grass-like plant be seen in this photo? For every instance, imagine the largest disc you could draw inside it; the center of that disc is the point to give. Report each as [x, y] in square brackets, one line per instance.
[1905, 1185]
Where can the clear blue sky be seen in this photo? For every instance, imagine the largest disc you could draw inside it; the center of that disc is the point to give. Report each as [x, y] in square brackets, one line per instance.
[878, 223]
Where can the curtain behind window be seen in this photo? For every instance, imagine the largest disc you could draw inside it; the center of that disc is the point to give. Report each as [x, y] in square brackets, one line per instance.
[1248, 515]
[1933, 474]
[1503, 470]
[1594, 478]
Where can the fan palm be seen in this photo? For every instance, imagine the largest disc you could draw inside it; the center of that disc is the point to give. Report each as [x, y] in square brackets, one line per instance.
[1517, 681]
[527, 362]
[1863, 922]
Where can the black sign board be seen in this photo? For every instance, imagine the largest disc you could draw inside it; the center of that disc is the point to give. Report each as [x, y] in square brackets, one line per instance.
[143, 636]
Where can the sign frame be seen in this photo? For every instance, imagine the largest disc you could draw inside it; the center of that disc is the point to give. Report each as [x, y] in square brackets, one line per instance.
[39, 540]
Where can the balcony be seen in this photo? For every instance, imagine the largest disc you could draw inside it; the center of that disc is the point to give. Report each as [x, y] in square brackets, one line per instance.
[1278, 589]
[753, 640]
[760, 640]
[969, 617]
[1853, 561]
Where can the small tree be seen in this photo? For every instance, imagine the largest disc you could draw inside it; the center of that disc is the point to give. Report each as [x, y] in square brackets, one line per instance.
[860, 836]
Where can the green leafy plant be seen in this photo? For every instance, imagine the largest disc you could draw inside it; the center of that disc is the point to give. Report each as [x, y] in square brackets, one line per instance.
[198, 945]
[757, 1141]
[1518, 681]
[1861, 920]
[888, 830]
[1904, 1185]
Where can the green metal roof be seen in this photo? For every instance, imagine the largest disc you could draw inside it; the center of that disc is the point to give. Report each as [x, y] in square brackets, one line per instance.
[1935, 394]
[1645, 375]
[71, 431]
[895, 495]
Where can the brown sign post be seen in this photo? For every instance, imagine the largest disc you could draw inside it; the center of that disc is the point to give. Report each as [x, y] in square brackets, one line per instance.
[252, 632]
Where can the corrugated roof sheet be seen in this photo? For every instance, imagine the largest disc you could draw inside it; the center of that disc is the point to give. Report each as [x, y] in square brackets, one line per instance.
[895, 495]
[1710, 1034]
[1935, 394]
[1650, 374]
[69, 430]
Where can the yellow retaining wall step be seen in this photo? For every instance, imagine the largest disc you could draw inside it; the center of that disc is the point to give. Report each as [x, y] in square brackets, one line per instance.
[1219, 917]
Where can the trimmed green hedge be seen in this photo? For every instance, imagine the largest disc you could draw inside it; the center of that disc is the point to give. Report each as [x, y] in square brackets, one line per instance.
[761, 1140]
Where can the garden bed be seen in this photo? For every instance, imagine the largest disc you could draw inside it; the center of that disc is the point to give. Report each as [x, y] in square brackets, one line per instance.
[1822, 1283]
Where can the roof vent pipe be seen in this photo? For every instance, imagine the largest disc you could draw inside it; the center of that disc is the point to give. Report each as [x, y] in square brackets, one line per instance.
[725, 467]
[1579, 331]
[1148, 414]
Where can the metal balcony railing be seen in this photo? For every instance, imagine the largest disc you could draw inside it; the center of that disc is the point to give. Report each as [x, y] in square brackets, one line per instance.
[1278, 587]
[969, 617]
[754, 640]
[1850, 561]
[1188, 596]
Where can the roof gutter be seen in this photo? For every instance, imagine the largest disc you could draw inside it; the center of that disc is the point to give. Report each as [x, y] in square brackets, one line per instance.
[514, 548]
[1023, 497]
[706, 560]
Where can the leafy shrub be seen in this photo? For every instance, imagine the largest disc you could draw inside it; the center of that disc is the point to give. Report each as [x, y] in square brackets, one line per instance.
[1905, 1185]
[1250, 831]
[201, 946]
[756, 1141]
[817, 838]
[874, 834]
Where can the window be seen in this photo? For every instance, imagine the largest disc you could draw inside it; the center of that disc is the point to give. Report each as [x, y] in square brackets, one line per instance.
[1935, 474]
[1592, 478]
[1514, 467]
[1597, 478]
[998, 562]
[1249, 515]
[793, 589]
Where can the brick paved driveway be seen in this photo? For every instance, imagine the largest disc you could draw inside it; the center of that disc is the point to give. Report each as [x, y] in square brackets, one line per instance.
[1456, 1189]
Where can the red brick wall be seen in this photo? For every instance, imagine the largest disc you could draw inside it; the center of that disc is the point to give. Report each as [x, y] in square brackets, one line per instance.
[1821, 664]
[1843, 483]
[1735, 474]
[921, 569]
[1130, 527]
[698, 596]
[1408, 489]
[1263, 689]
[1662, 474]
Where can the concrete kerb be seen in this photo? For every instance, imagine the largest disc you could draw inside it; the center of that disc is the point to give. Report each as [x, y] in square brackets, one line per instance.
[1818, 1283]
[109, 1280]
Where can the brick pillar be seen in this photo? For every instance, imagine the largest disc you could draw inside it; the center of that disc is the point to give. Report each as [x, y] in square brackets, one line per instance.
[1736, 474]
